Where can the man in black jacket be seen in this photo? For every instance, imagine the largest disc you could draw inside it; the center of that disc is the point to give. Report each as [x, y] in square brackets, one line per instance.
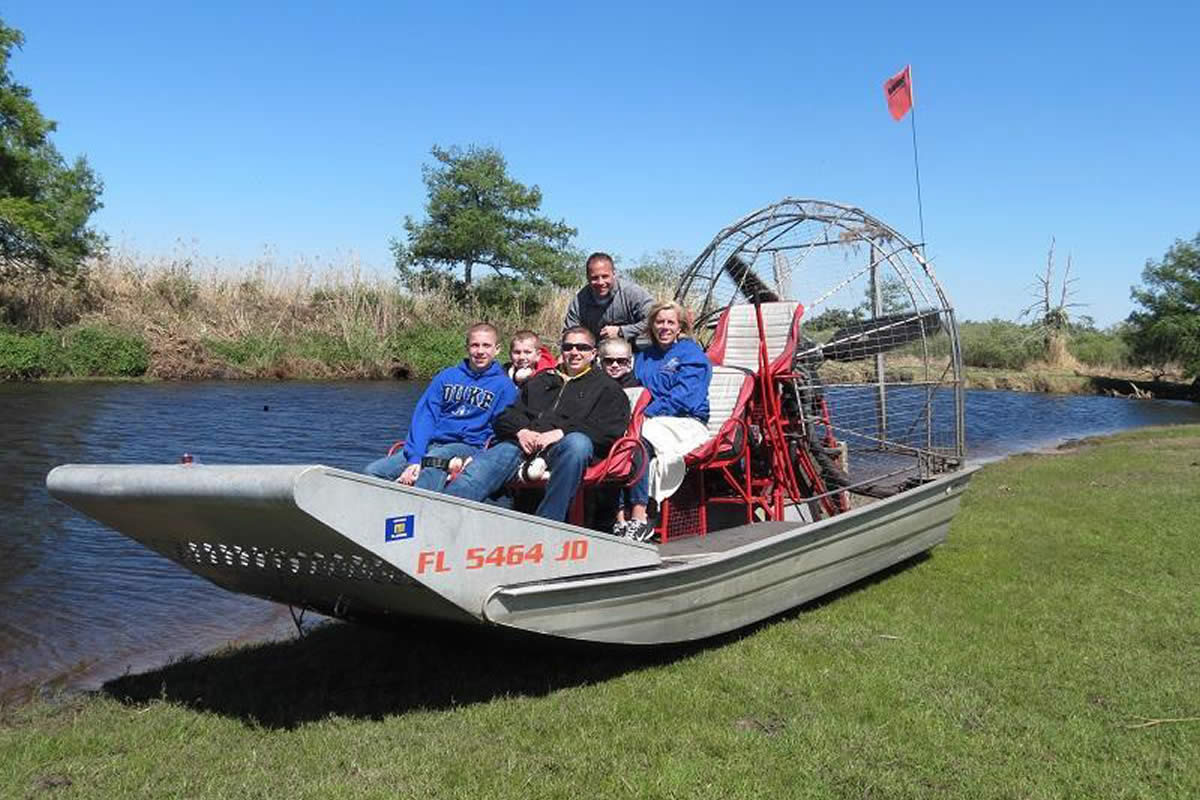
[566, 416]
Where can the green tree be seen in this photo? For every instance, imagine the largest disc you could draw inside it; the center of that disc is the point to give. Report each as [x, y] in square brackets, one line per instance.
[478, 216]
[661, 269]
[1166, 329]
[833, 318]
[45, 203]
[894, 297]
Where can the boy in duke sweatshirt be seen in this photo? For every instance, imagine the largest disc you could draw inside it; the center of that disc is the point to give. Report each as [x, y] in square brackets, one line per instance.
[453, 418]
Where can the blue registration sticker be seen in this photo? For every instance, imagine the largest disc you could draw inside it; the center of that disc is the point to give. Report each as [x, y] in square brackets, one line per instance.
[396, 528]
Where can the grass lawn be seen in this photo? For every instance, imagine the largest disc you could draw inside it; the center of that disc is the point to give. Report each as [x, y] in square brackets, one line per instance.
[1050, 649]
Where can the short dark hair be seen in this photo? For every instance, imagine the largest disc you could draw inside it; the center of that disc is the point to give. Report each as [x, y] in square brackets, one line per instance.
[579, 329]
[599, 255]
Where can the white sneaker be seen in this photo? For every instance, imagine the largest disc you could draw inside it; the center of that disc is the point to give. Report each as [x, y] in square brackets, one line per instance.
[620, 527]
[534, 469]
[639, 530]
[455, 467]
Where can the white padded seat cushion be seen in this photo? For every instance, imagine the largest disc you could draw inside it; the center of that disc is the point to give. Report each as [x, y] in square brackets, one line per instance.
[723, 395]
[741, 334]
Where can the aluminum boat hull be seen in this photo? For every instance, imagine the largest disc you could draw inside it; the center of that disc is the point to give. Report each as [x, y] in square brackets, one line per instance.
[357, 547]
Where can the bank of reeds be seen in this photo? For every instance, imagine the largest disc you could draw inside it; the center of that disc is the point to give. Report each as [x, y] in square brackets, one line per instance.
[181, 317]
[265, 320]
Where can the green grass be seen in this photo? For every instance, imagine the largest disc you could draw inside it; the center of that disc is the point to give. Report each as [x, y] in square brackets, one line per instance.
[428, 349]
[355, 352]
[1015, 661]
[80, 352]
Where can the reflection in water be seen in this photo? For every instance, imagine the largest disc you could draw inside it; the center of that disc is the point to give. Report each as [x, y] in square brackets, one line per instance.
[79, 602]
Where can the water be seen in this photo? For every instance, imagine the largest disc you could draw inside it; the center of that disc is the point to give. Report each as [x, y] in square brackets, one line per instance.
[80, 603]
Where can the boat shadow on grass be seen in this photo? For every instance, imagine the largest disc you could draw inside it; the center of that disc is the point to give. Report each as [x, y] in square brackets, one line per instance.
[359, 671]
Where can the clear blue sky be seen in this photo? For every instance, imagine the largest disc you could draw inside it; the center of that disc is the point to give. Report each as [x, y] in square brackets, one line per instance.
[302, 128]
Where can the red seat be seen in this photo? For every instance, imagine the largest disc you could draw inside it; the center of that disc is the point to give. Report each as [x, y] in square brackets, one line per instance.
[729, 395]
[759, 343]
[764, 338]
[736, 340]
[626, 459]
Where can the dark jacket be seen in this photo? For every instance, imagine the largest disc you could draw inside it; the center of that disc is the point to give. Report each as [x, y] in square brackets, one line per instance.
[592, 404]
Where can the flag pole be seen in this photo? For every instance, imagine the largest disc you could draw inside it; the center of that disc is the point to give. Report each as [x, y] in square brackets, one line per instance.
[912, 116]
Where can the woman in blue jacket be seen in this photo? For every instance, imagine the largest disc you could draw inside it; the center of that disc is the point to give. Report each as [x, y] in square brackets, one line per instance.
[677, 373]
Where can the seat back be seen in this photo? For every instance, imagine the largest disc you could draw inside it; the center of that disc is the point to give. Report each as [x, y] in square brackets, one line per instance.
[735, 343]
[728, 395]
[626, 458]
[637, 395]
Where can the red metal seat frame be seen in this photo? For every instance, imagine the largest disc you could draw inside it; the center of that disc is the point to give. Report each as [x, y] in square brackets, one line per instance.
[761, 410]
[728, 447]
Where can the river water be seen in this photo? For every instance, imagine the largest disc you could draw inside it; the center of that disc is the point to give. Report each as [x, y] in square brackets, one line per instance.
[80, 603]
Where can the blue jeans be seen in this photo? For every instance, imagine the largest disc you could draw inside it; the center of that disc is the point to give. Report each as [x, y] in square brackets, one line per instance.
[639, 493]
[432, 478]
[490, 470]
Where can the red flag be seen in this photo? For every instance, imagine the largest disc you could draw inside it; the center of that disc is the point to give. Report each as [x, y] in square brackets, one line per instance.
[898, 90]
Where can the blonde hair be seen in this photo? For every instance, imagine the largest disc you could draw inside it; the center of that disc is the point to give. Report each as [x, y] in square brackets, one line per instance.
[685, 326]
[525, 335]
[480, 327]
[607, 346]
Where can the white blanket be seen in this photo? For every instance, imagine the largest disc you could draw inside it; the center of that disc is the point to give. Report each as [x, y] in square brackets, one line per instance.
[672, 438]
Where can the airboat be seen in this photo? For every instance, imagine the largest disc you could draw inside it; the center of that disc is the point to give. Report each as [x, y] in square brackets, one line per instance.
[836, 451]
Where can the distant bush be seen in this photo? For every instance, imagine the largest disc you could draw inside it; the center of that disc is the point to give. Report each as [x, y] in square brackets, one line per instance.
[998, 344]
[85, 352]
[427, 350]
[496, 295]
[356, 350]
[24, 356]
[251, 352]
[1107, 348]
[176, 287]
[94, 351]
[831, 319]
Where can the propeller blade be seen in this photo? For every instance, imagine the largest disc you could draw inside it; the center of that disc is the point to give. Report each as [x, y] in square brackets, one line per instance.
[871, 337]
[752, 287]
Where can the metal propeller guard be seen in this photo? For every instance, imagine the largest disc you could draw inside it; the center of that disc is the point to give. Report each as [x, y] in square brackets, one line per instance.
[857, 365]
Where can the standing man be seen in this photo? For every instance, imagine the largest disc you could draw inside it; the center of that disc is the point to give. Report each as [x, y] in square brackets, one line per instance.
[454, 416]
[608, 307]
[565, 416]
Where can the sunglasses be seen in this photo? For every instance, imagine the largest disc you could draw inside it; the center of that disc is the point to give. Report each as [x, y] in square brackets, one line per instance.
[582, 347]
[608, 362]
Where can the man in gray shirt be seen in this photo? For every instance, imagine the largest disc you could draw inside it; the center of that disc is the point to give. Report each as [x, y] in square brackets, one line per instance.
[608, 307]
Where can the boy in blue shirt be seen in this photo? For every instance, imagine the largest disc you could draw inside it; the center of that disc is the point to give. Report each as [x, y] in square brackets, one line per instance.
[453, 418]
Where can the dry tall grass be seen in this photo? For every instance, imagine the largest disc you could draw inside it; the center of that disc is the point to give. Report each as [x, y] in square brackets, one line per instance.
[264, 319]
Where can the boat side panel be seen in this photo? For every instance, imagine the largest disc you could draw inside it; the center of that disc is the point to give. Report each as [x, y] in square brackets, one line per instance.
[461, 550]
[240, 528]
[741, 586]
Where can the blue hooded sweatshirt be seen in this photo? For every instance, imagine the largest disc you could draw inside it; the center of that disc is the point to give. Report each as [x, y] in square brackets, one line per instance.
[458, 406]
[677, 378]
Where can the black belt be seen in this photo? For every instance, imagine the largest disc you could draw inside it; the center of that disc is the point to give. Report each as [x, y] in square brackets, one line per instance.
[436, 462]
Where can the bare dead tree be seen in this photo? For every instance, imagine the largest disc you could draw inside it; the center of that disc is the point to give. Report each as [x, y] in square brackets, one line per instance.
[1052, 320]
